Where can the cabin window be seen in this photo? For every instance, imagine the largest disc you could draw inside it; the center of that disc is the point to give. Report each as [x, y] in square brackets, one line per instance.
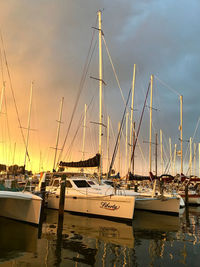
[81, 183]
[68, 184]
[91, 182]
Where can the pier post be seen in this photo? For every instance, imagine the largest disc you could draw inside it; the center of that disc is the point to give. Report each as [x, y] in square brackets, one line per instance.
[186, 195]
[43, 193]
[62, 195]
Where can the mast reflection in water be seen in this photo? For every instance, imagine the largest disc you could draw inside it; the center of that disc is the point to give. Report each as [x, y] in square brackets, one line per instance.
[151, 240]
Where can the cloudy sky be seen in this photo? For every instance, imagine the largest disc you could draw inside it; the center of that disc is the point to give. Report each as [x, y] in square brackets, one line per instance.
[47, 41]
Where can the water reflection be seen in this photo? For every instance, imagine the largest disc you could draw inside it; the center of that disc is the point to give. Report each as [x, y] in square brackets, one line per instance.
[151, 240]
[16, 238]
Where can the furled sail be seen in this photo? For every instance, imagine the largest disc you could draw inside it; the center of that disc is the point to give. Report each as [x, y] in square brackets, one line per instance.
[92, 162]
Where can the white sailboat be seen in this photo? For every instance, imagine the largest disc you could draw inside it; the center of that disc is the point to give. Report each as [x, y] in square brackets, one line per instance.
[21, 206]
[81, 196]
[84, 195]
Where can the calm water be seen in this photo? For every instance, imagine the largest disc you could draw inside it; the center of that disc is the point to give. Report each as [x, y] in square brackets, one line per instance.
[152, 240]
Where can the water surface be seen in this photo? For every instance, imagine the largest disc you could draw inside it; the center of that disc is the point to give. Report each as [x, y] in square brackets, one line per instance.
[151, 240]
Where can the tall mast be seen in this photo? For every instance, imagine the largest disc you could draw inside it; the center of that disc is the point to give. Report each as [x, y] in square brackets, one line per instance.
[190, 162]
[150, 126]
[131, 118]
[181, 130]
[170, 153]
[58, 132]
[119, 158]
[100, 93]
[199, 159]
[108, 137]
[84, 128]
[161, 151]
[174, 160]
[133, 160]
[126, 147]
[156, 156]
[28, 124]
[194, 172]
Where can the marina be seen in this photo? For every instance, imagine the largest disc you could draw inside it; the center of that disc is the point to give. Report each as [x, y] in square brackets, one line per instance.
[99, 134]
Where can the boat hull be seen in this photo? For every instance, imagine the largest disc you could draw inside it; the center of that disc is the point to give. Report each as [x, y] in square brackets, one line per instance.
[20, 207]
[107, 206]
[192, 199]
[161, 205]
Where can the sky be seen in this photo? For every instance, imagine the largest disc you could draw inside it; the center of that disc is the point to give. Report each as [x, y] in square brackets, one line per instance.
[47, 41]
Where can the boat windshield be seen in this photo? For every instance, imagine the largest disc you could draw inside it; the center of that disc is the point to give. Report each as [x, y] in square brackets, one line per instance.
[91, 183]
[81, 183]
[68, 184]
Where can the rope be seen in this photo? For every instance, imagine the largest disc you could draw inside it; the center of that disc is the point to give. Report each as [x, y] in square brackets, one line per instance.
[85, 70]
[137, 134]
[12, 91]
[167, 86]
[197, 125]
[79, 126]
[117, 141]
[114, 70]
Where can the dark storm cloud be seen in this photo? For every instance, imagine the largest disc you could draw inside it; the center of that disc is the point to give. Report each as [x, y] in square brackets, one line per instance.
[47, 41]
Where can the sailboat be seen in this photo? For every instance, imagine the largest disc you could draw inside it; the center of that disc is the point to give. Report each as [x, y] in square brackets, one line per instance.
[80, 194]
[21, 206]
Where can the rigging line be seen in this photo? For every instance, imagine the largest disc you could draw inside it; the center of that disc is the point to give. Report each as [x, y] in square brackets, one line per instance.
[197, 125]
[8, 128]
[1, 59]
[119, 134]
[12, 91]
[85, 71]
[111, 62]
[141, 151]
[79, 125]
[72, 143]
[137, 134]
[170, 88]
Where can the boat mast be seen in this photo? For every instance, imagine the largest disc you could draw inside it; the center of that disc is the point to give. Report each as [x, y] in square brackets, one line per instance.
[174, 160]
[119, 158]
[181, 130]
[28, 124]
[133, 159]
[190, 162]
[161, 151]
[170, 153]
[156, 156]
[126, 148]
[84, 128]
[131, 118]
[108, 137]
[194, 169]
[199, 159]
[150, 126]
[58, 132]
[100, 93]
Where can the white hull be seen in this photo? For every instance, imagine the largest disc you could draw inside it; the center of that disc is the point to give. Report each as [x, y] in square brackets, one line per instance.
[20, 206]
[165, 205]
[192, 199]
[108, 206]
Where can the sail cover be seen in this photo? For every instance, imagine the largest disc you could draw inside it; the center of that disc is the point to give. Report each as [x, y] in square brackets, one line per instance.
[92, 162]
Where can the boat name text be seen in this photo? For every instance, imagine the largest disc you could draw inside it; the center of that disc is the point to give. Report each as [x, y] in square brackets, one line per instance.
[108, 206]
